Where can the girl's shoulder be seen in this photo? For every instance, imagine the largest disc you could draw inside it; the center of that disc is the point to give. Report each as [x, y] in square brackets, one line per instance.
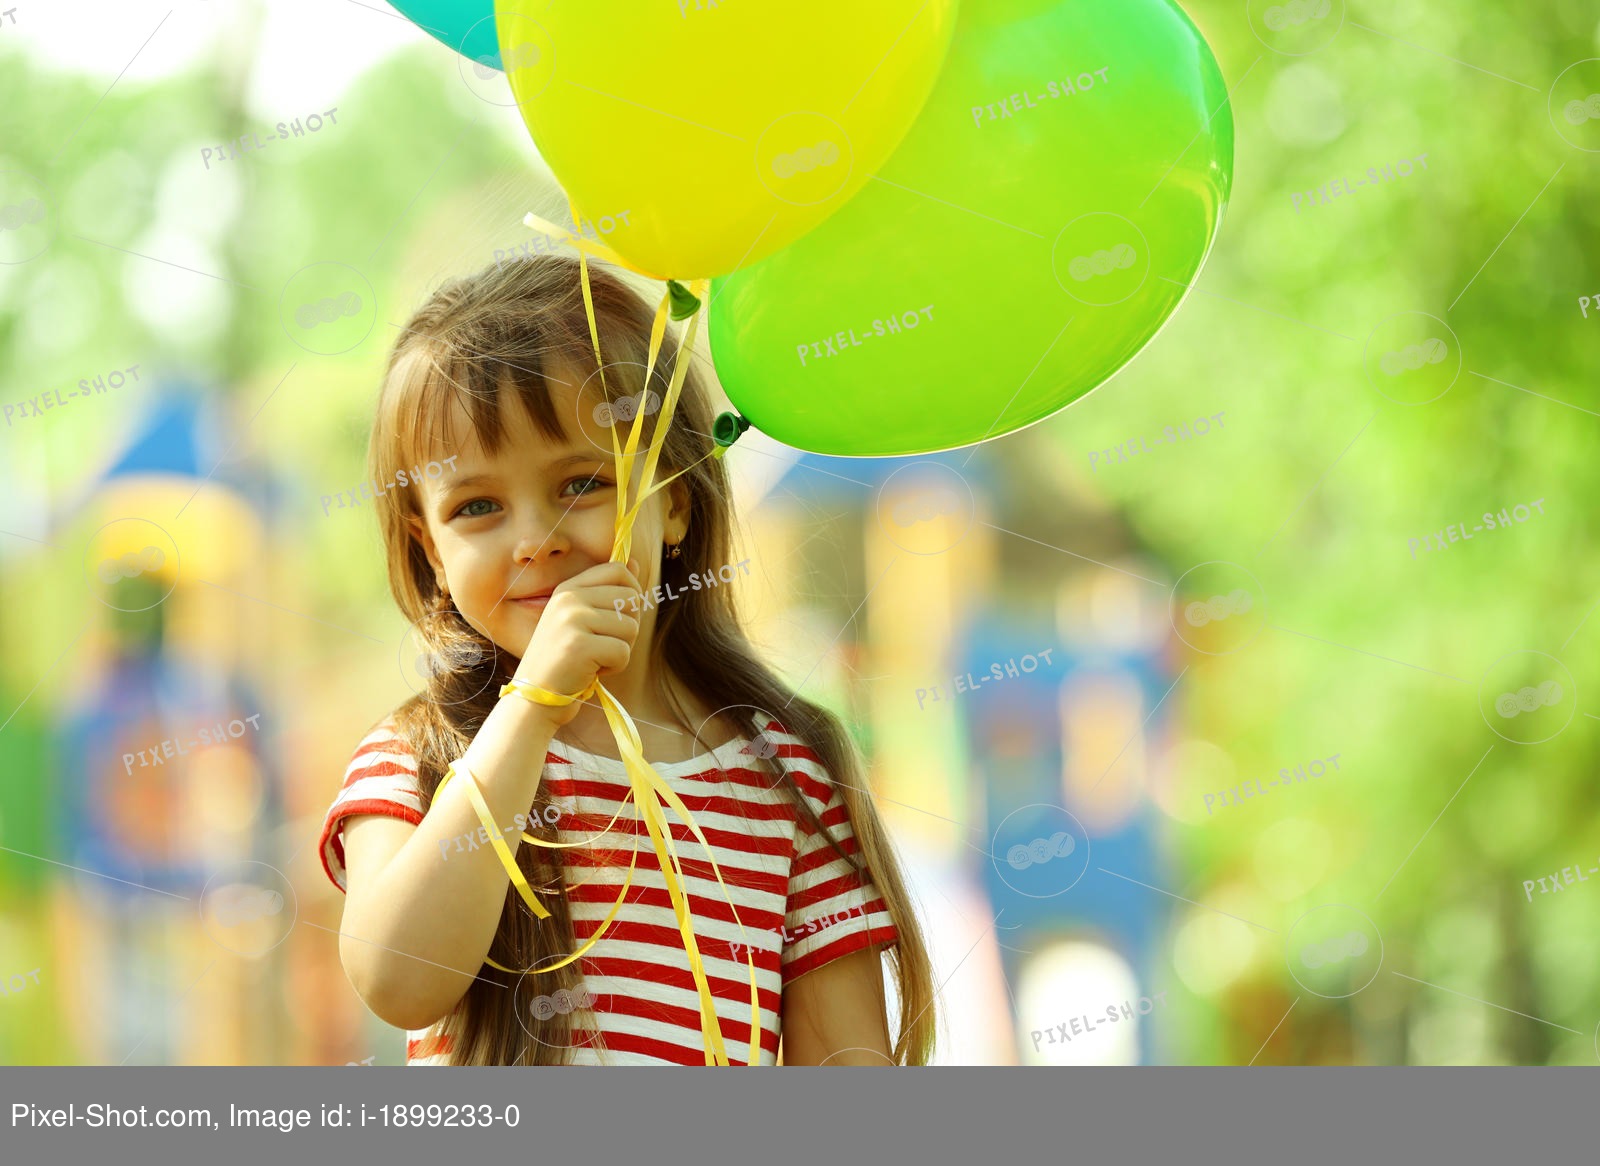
[804, 765]
[381, 778]
[382, 750]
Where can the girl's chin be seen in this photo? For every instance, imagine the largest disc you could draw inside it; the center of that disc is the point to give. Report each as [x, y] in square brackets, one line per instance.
[509, 647]
[508, 643]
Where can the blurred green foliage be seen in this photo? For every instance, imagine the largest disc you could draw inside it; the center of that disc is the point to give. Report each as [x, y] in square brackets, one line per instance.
[1315, 484]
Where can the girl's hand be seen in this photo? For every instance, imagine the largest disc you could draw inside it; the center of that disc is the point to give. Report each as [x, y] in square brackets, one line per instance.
[582, 634]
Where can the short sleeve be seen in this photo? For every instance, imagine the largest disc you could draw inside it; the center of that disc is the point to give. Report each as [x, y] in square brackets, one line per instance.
[831, 910]
[380, 779]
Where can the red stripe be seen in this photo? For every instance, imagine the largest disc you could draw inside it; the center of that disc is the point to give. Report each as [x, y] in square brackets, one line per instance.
[687, 1019]
[344, 810]
[830, 817]
[722, 988]
[429, 1046]
[709, 948]
[609, 787]
[381, 743]
[678, 1054]
[616, 792]
[820, 857]
[797, 751]
[701, 906]
[827, 889]
[724, 843]
[814, 787]
[840, 947]
[374, 806]
[595, 858]
[379, 769]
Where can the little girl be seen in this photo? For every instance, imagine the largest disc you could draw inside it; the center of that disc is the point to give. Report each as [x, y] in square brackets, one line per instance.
[504, 567]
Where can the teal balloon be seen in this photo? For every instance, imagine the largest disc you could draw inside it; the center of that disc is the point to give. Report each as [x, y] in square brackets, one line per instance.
[467, 26]
[1042, 219]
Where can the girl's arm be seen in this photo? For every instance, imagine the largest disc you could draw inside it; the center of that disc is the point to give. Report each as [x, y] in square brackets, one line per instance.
[419, 915]
[840, 1006]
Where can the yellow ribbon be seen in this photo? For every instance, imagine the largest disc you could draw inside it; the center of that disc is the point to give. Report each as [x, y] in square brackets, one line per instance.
[648, 790]
[561, 234]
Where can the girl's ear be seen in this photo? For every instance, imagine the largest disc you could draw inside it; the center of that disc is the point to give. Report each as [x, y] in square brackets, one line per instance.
[677, 516]
[419, 531]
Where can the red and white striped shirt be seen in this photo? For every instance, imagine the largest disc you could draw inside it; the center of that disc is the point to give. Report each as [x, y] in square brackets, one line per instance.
[801, 904]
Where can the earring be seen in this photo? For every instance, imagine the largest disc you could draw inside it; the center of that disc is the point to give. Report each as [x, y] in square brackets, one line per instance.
[674, 551]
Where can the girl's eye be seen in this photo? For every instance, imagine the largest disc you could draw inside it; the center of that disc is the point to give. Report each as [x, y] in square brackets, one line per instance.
[594, 483]
[474, 502]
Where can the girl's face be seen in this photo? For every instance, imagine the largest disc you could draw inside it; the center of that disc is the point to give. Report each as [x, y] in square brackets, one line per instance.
[504, 529]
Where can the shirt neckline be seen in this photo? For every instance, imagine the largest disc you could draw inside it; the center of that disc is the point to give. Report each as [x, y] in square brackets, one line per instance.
[722, 757]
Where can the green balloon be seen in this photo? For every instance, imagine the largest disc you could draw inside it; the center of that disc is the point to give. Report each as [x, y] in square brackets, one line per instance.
[1042, 219]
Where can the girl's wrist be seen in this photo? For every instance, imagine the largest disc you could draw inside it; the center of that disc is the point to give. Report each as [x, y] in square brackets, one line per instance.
[533, 712]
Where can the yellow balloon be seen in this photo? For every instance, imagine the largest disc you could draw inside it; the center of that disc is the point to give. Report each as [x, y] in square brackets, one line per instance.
[696, 137]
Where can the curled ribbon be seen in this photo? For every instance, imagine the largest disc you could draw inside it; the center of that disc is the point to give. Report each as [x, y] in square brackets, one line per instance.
[648, 790]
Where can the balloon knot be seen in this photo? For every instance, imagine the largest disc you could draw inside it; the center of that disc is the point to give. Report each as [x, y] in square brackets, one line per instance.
[684, 302]
[725, 430]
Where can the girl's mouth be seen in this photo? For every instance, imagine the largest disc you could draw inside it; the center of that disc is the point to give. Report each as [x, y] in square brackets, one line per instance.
[537, 603]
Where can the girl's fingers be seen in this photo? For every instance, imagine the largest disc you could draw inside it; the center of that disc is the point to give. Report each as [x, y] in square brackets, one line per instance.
[606, 596]
[612, 654]
[608, 574]
[621, 624]
[607, 621]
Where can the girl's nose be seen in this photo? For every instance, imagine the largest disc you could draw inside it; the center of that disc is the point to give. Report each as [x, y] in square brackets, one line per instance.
[541, 536]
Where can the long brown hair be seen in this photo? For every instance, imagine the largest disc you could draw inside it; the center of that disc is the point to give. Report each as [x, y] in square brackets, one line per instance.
[495, 332]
